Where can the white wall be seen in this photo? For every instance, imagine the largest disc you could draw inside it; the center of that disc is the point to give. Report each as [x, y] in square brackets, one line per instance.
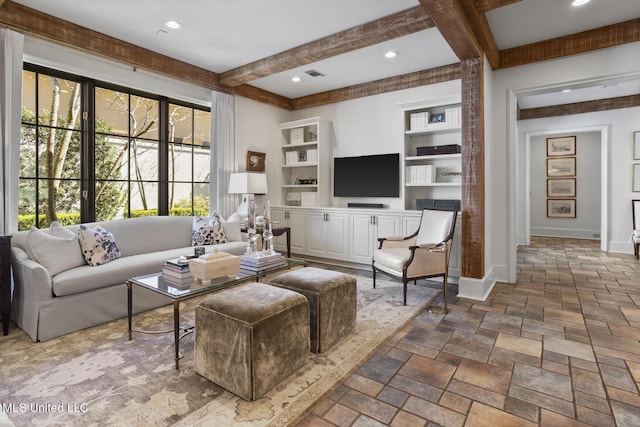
[619, 125]
[502, 179]
[586, 224]
[374, 125]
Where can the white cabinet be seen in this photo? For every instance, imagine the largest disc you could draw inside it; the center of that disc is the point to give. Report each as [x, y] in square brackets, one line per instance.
[305, 162]
[327, 234]
[297, 221]
[364, 230]
[432, 126]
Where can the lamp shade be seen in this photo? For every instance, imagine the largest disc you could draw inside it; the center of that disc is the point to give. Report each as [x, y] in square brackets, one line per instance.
[248, 183]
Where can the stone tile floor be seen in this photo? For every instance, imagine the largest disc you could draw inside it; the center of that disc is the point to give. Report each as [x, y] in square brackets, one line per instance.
[561, 347]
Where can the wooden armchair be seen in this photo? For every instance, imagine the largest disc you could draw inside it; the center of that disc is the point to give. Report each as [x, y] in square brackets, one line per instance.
[422, 255]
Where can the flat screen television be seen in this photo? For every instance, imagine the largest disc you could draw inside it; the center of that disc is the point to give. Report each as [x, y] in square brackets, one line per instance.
[367, 176]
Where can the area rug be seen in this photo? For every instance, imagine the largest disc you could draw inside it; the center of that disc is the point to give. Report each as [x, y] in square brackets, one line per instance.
[97, 377]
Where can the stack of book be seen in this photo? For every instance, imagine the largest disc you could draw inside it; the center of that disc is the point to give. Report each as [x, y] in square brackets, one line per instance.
[260, 262]
[176, 272]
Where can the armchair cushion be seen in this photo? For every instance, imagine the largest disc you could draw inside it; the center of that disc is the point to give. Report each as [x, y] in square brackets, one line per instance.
[438, 228]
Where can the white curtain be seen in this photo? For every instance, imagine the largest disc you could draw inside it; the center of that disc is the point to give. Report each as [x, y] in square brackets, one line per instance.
[223, 159]
[11, 47]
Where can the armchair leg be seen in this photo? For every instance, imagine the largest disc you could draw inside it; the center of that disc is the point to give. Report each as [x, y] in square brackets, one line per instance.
[636, 247]
[374, 277]
[404, 291]
[435, 309]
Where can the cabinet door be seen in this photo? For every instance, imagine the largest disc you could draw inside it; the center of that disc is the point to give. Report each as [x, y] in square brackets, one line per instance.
[387, 226]
[336, 238]
[360, 238]
[410, 224]
[316, 223]
[298, 223]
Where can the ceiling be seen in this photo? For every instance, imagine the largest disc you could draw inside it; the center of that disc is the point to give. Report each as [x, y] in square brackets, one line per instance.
[225, 34]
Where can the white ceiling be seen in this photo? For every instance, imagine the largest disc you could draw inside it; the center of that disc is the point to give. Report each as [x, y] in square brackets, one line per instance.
[224, 34]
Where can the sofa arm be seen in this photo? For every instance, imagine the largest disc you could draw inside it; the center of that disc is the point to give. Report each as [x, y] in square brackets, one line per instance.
[32, 287]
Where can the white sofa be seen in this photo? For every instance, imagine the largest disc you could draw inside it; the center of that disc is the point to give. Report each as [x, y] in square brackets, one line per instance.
[46, 306]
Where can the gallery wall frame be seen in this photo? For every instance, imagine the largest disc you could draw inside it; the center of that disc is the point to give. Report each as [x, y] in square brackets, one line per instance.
[561, 146]
[636, 178]
[561, 187]
[561, 208]
[561, 166]
[636, 145]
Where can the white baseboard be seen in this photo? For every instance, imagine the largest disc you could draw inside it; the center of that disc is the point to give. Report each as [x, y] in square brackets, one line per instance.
[562, 232]
[479, 289]
[621, 247]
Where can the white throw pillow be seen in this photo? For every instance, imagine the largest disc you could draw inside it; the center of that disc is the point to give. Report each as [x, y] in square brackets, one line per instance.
[232, 228]
[208, 230]
[98, 245]
[56, 248]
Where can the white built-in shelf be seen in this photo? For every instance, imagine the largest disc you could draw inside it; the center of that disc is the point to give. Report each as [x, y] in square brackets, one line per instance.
[301, 165]
[301, 144]
[436, 184]
[433, 130]
[301, 186]
[435, 157]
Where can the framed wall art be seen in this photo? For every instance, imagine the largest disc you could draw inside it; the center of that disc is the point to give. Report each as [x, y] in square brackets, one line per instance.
[561, 187]
[563, 146]
[636, 177]
[255, 161]
[561, 208]
[562, 166]
[636, 145]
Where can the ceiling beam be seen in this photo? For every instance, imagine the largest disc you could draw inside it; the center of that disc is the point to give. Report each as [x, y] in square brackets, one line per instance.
[454, 27]
[387, 28]
[41, 25]
[405, 81]
[487, 5]
[573, 44]
[580, 107]
[482, 31]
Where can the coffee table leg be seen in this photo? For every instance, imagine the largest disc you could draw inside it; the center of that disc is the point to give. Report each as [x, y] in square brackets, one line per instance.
[176, 331]
[129, 306]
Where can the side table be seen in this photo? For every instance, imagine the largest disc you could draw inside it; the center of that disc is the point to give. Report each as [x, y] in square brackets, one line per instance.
[5, 282]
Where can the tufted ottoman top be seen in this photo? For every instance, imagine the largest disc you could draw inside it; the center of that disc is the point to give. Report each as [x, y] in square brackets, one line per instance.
[251, 303]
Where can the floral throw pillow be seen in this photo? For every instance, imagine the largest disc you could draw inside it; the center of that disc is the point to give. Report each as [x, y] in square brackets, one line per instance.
[207, 230]
[98, 245]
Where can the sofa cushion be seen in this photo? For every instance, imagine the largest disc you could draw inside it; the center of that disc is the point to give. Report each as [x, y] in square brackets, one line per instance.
[232, 228]
[208, 230]
[56, 248]
[98, 245]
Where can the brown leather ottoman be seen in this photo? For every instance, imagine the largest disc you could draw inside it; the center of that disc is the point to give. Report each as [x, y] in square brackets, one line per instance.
[250, 337]
[332, 303]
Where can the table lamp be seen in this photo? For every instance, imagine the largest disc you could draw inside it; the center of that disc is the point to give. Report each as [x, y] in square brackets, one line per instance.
[248, 184]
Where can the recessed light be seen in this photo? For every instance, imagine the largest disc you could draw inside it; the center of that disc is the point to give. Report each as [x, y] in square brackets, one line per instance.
[391, 54]
[579, 2]
[174, 25]
[566, 90]
[295, 79]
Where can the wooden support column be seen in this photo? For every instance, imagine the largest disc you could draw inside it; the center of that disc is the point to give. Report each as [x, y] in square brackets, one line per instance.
[472, 240]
